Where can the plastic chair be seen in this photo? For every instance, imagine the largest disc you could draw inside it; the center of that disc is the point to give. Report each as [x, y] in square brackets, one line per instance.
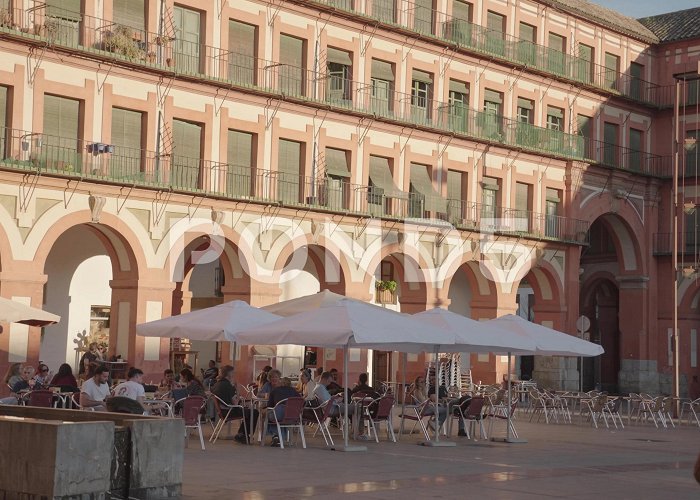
[380, 411]
[223, 413]
[293, 408]
[191, 414]
[75, 400]
[613, 409]
[40, 398]
[501, 413]
[416, 412]
[321, 413]
[474, 414]
[693, 408]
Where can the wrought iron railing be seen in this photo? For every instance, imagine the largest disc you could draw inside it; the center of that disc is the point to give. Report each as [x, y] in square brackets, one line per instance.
[688, 243]
[46, 154]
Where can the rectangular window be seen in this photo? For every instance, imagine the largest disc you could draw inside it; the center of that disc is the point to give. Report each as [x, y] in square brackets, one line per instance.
[636, 81]
[242, 47]
[555, 118]
[187, 153]
[584, 63]
[612, 69]
[525, 133]
[60, 148]
[611, 150]
[522, 207]
[553, 199]
[126, 138]
[187, 48]
[421, 96]
[458, 104]
[336, 190]
[62, 23]
[692, 154]
[584, 128]
[636, 153]
[384, 10]
[489, 202]
[692, 92]
[527, 49]
[456, 197]
[491, 118]
[289, 165]
[291, 68]
[131, 13]
[459, 29]
[423, 17]
[339, 66]
[495, 34]
[239, 159]
[424, 196]
[382, 101]
[556, 54]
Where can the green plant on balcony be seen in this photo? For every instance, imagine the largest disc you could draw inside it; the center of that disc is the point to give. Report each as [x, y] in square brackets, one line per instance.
[383, 285]
[121, 42]
[6, 20]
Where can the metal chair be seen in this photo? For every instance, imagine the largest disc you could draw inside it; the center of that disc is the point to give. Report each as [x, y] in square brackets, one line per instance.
[380, 410]
[475, 414]
[291, 418]
[416, 412]
[693, 408]
[40, 398]
[191, 414]
[321, 413]
[223, 413]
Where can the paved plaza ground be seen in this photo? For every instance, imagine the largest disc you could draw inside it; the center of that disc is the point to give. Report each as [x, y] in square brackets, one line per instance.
[558, 461]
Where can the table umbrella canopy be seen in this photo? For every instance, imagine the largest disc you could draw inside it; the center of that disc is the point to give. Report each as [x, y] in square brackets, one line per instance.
[474, 336]
[305, 303]
[349, 323]
[217, 323]
[15, 312]
[548, 342]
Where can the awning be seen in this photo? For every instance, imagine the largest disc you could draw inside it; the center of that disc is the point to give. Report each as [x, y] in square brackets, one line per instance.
[381, 70]
[524, 103]
[457, 86]
[380, 175]
[421, 76]
[493, 96]
[338, 57]
[337, 162]
[421, 182]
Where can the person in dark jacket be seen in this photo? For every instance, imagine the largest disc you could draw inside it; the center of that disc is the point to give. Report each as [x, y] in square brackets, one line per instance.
[225, 390]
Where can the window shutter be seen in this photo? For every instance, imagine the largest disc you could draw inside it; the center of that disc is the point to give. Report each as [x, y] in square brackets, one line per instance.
[423, 16]
[126, 128]
[380, 175]
[462, 10]
[291, 50]
[187, 139]
[382, 70]
[289, 158]
[494, 22]
[64, 9]
[337, 162]
[241, 38]
[527, 32]
[635, 139]
[611, 61]
[555, 112]
[454, 185]
[584, 126]
[421, 76]
[585, 52]
[556, 42]
[61, 117]
[130, 13]
[3, 109]
[493, 96]
[522, 196]
[338, 57]
[457, 86]
[524, 103]
[610, 133]
[553, 195]
[423, 184]
[240, 149]
[490, 183]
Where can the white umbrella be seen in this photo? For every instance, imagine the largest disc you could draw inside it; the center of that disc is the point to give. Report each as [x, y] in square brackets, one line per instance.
[548, 342]
[345, 323]
[217, 323]
[15, 312]
[305, 303]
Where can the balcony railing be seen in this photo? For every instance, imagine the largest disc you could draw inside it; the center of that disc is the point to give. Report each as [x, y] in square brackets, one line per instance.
[41, 153]
[688, 243]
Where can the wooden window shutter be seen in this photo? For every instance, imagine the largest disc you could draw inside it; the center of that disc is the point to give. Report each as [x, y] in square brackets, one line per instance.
[291, 50]
[3, 109]
[494, 22]
[462, 10]
[522, 196]
[610, 133]
[241, 38]
[527, 32]
[289, 157]
[61, 116]
[187, 139]
[126, 128]
[130, 13]
[240, 149]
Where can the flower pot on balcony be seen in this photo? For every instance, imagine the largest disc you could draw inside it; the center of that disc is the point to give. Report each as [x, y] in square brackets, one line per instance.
[385, 296]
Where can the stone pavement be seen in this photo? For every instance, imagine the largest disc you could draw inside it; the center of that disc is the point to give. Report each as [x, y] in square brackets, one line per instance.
[558, 461]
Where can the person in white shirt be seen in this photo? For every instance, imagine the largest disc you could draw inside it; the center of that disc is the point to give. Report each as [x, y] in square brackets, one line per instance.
[132, 388]
[95, 390]
[308, 385]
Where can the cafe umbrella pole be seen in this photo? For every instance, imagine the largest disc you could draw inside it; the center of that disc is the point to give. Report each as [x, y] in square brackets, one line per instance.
[346, 446]
[509, 438]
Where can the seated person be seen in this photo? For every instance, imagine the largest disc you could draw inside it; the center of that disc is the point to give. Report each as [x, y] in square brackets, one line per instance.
[308, 385]
[12, 377]
[43, 376]
[278, 394]
[18, 377]
[273, 380]
[209, 375]
[333, 386]
[95, 389]
[133, 387]
[420, 395]
[168, 383]
[193, 386]
[462, 405]
[64, 379]
[363, 388]
[225, 390]
[322, 395]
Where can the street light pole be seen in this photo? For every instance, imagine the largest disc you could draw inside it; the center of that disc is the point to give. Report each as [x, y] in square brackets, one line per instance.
[676, 162]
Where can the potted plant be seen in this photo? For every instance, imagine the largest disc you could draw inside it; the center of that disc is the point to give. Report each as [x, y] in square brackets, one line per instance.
[121, 42]
[386, 291]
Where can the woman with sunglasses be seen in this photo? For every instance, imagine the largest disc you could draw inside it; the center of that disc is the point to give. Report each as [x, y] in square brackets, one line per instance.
[43, 376]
